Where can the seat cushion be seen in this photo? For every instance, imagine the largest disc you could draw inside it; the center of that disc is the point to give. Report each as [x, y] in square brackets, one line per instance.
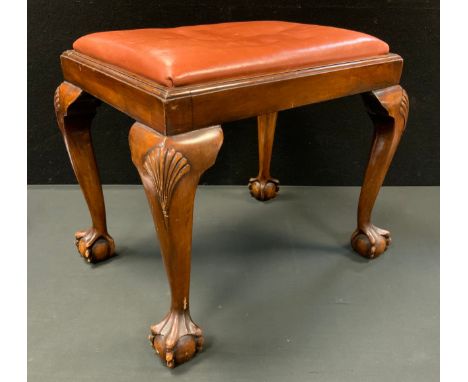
[196, 54]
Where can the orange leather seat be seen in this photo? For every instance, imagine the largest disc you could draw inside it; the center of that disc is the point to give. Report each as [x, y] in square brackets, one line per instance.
[195, 54]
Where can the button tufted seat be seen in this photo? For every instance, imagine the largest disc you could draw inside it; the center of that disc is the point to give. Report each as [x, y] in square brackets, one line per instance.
[195, 54]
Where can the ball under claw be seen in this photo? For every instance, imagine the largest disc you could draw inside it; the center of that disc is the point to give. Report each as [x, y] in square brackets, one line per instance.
[100, 250]
[263, 190]
[362, 245]
[183, 351]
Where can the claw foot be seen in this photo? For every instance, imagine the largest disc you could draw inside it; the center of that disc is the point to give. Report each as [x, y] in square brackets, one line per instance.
[370, 242]
[263, 189]
[176, 339]
[94, 246]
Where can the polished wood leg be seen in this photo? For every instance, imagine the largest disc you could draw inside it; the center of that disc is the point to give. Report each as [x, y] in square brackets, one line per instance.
[388, 109]
[264, 187]
[75, 111]
[170, 168]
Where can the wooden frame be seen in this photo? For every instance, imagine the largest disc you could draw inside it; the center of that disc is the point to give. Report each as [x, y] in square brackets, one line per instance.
[174, 141]
[172, 111]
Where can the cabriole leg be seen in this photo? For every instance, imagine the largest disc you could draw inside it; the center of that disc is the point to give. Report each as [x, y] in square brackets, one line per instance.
[388, 109]
[75, 111]
[264, 187]
[170, 168]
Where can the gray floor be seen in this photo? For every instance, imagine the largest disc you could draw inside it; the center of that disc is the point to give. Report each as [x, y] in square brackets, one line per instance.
[275, 287]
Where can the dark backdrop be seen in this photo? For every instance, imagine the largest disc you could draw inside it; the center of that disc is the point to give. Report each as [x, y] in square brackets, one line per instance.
[322, 144]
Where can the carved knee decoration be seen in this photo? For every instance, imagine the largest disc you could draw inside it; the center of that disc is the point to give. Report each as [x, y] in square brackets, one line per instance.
[170, 168]
[388, 109]
[75, 111]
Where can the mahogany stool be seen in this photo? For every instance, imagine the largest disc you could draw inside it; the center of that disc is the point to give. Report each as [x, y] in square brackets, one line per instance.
[179, 84]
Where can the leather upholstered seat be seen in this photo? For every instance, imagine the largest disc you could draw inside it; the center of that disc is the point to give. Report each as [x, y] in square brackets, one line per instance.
[195, 54]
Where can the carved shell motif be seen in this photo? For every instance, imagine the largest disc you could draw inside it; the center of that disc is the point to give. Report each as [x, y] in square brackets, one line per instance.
[404, 106]
[58, 106]
[165, 167]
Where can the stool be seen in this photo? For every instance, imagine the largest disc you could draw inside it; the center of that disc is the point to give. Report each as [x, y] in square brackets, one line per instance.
[179, 84]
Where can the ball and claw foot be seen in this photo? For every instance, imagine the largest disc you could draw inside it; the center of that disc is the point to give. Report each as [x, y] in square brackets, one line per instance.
[94, 246]
[263, 189]
[176, 339]
[370, 242]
